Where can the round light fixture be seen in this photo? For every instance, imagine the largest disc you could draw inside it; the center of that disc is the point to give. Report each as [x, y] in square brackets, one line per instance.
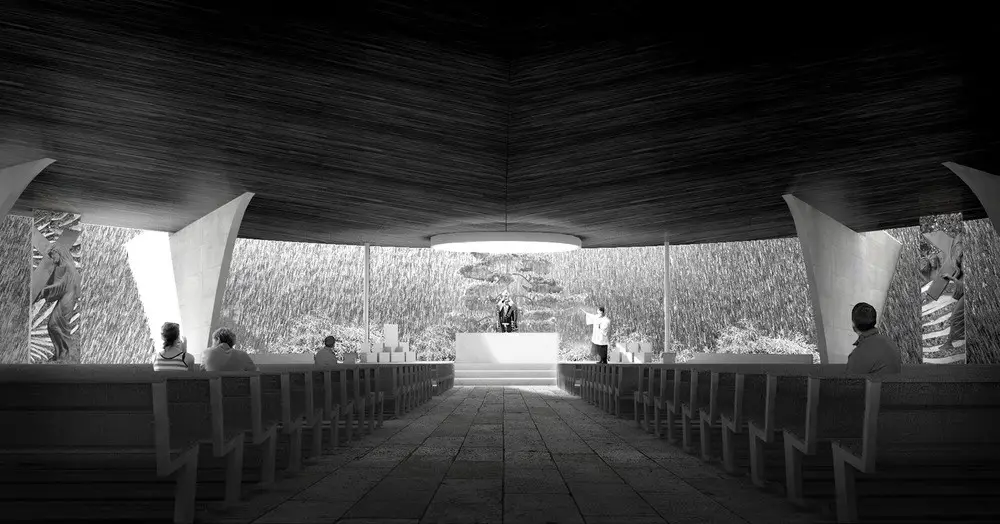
[505, 242]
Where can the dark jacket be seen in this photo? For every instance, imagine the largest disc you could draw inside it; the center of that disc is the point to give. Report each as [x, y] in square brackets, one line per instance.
[508, 315]
[874, 354]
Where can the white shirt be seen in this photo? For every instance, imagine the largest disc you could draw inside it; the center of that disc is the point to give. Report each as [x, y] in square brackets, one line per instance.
[601, 327]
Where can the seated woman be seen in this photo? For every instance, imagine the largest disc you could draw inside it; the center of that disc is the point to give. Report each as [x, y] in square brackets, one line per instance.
[174, 356]
[222, 356]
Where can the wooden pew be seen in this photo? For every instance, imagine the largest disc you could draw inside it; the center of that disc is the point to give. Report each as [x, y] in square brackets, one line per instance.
[928, 449]
[196, 414]
[668, 388]
[718, 391]
[651, 395]
[785, 402]
[322, 397]
[832, 412]
[275, 393]
[67, 426]
[625, 387]
[355, 392]
[750, 384]
[242, 407]
[391, 384]
[444, 377]
[340, 395]
[375, 402]
[736, 358]
[605, 388]
[639, 396]
[832, 409]
[587, 381]
[300, 411]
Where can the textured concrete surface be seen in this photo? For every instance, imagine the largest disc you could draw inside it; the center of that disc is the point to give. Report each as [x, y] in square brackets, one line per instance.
[843, 268]
[512, 455]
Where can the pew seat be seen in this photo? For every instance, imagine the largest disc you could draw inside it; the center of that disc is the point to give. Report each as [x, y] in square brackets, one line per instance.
[79, 426]
[929, 450]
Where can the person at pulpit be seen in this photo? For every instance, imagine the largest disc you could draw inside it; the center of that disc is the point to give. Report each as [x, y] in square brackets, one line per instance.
[506, 314]
[599, 338]
[325, 356]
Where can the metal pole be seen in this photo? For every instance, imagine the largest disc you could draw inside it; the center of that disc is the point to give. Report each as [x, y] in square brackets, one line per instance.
[368, 284]
[666, 296]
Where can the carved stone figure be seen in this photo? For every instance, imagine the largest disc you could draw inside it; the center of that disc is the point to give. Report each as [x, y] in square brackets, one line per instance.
[63, 288]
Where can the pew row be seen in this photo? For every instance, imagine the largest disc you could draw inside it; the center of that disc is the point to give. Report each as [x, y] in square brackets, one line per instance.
[80, 438]
[928, 449]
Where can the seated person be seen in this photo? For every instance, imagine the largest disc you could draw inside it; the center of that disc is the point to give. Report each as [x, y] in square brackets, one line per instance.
[325, 355]
[222, 356]
[874, 353]
[174, 356]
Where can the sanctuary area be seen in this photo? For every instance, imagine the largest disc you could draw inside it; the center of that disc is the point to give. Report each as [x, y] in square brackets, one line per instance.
[402, 261]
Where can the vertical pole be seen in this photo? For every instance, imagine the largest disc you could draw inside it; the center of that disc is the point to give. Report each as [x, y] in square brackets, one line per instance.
[368, 284]
[666, 295]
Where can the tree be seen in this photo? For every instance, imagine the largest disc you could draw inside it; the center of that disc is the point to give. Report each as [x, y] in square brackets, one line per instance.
[541, 299]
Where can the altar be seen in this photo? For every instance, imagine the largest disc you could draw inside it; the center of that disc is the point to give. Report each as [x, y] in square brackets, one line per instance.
[505, 359]
[507, 348]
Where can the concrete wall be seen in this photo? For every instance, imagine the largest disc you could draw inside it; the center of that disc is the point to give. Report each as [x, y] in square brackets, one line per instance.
[843, 268]
[201, 254]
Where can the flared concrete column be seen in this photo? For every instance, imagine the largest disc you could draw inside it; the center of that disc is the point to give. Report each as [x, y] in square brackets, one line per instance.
[201, 254]
[181, 277]
[843, 268]
[15, 178]
[986, 188]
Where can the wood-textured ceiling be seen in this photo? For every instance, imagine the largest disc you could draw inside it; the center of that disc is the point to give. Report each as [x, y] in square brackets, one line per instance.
[388, 122]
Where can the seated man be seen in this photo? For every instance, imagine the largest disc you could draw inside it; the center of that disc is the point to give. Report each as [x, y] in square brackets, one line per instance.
[325, 355]
[222, 356]
[874, 353]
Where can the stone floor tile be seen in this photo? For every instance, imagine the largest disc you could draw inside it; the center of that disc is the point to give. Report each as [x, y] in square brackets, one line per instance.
[463, 469]
[527, 459]
[654, 479]
[609, 500]
[387, 502]
[618, 519]
[585, 468]
[541, 509]
[540, 480]
[494, 454]
[345, 484]
[430, 467]
[690, 510]
[466, 502]
[378, 521]
[305, 511]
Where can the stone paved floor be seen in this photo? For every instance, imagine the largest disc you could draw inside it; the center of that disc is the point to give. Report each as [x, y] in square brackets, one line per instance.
[513, 455]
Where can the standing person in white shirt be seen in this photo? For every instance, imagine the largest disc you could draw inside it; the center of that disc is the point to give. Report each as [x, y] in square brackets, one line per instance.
[599, 340]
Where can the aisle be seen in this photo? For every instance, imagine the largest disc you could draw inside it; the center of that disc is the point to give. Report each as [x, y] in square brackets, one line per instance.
[513, 455]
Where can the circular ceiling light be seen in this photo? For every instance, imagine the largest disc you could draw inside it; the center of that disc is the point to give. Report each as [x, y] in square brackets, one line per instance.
[505, 242]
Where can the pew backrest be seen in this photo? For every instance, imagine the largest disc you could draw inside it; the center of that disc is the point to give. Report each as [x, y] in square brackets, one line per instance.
[763, 359]
[105, 408]
[950, 417]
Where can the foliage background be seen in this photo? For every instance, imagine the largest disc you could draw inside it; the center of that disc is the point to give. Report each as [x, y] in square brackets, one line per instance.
[284, 297]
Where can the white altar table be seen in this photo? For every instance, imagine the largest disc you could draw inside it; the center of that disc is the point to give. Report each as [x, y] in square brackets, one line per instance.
[507, 348]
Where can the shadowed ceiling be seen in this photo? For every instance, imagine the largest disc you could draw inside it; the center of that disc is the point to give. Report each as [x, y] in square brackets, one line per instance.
[388, 122]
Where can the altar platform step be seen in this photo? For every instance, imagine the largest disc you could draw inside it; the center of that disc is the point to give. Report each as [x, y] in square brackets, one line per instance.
[512, 381]
[506, 374]
[465, 366]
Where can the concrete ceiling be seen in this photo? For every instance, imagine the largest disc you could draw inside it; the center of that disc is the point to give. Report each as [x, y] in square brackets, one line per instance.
[389, 122]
